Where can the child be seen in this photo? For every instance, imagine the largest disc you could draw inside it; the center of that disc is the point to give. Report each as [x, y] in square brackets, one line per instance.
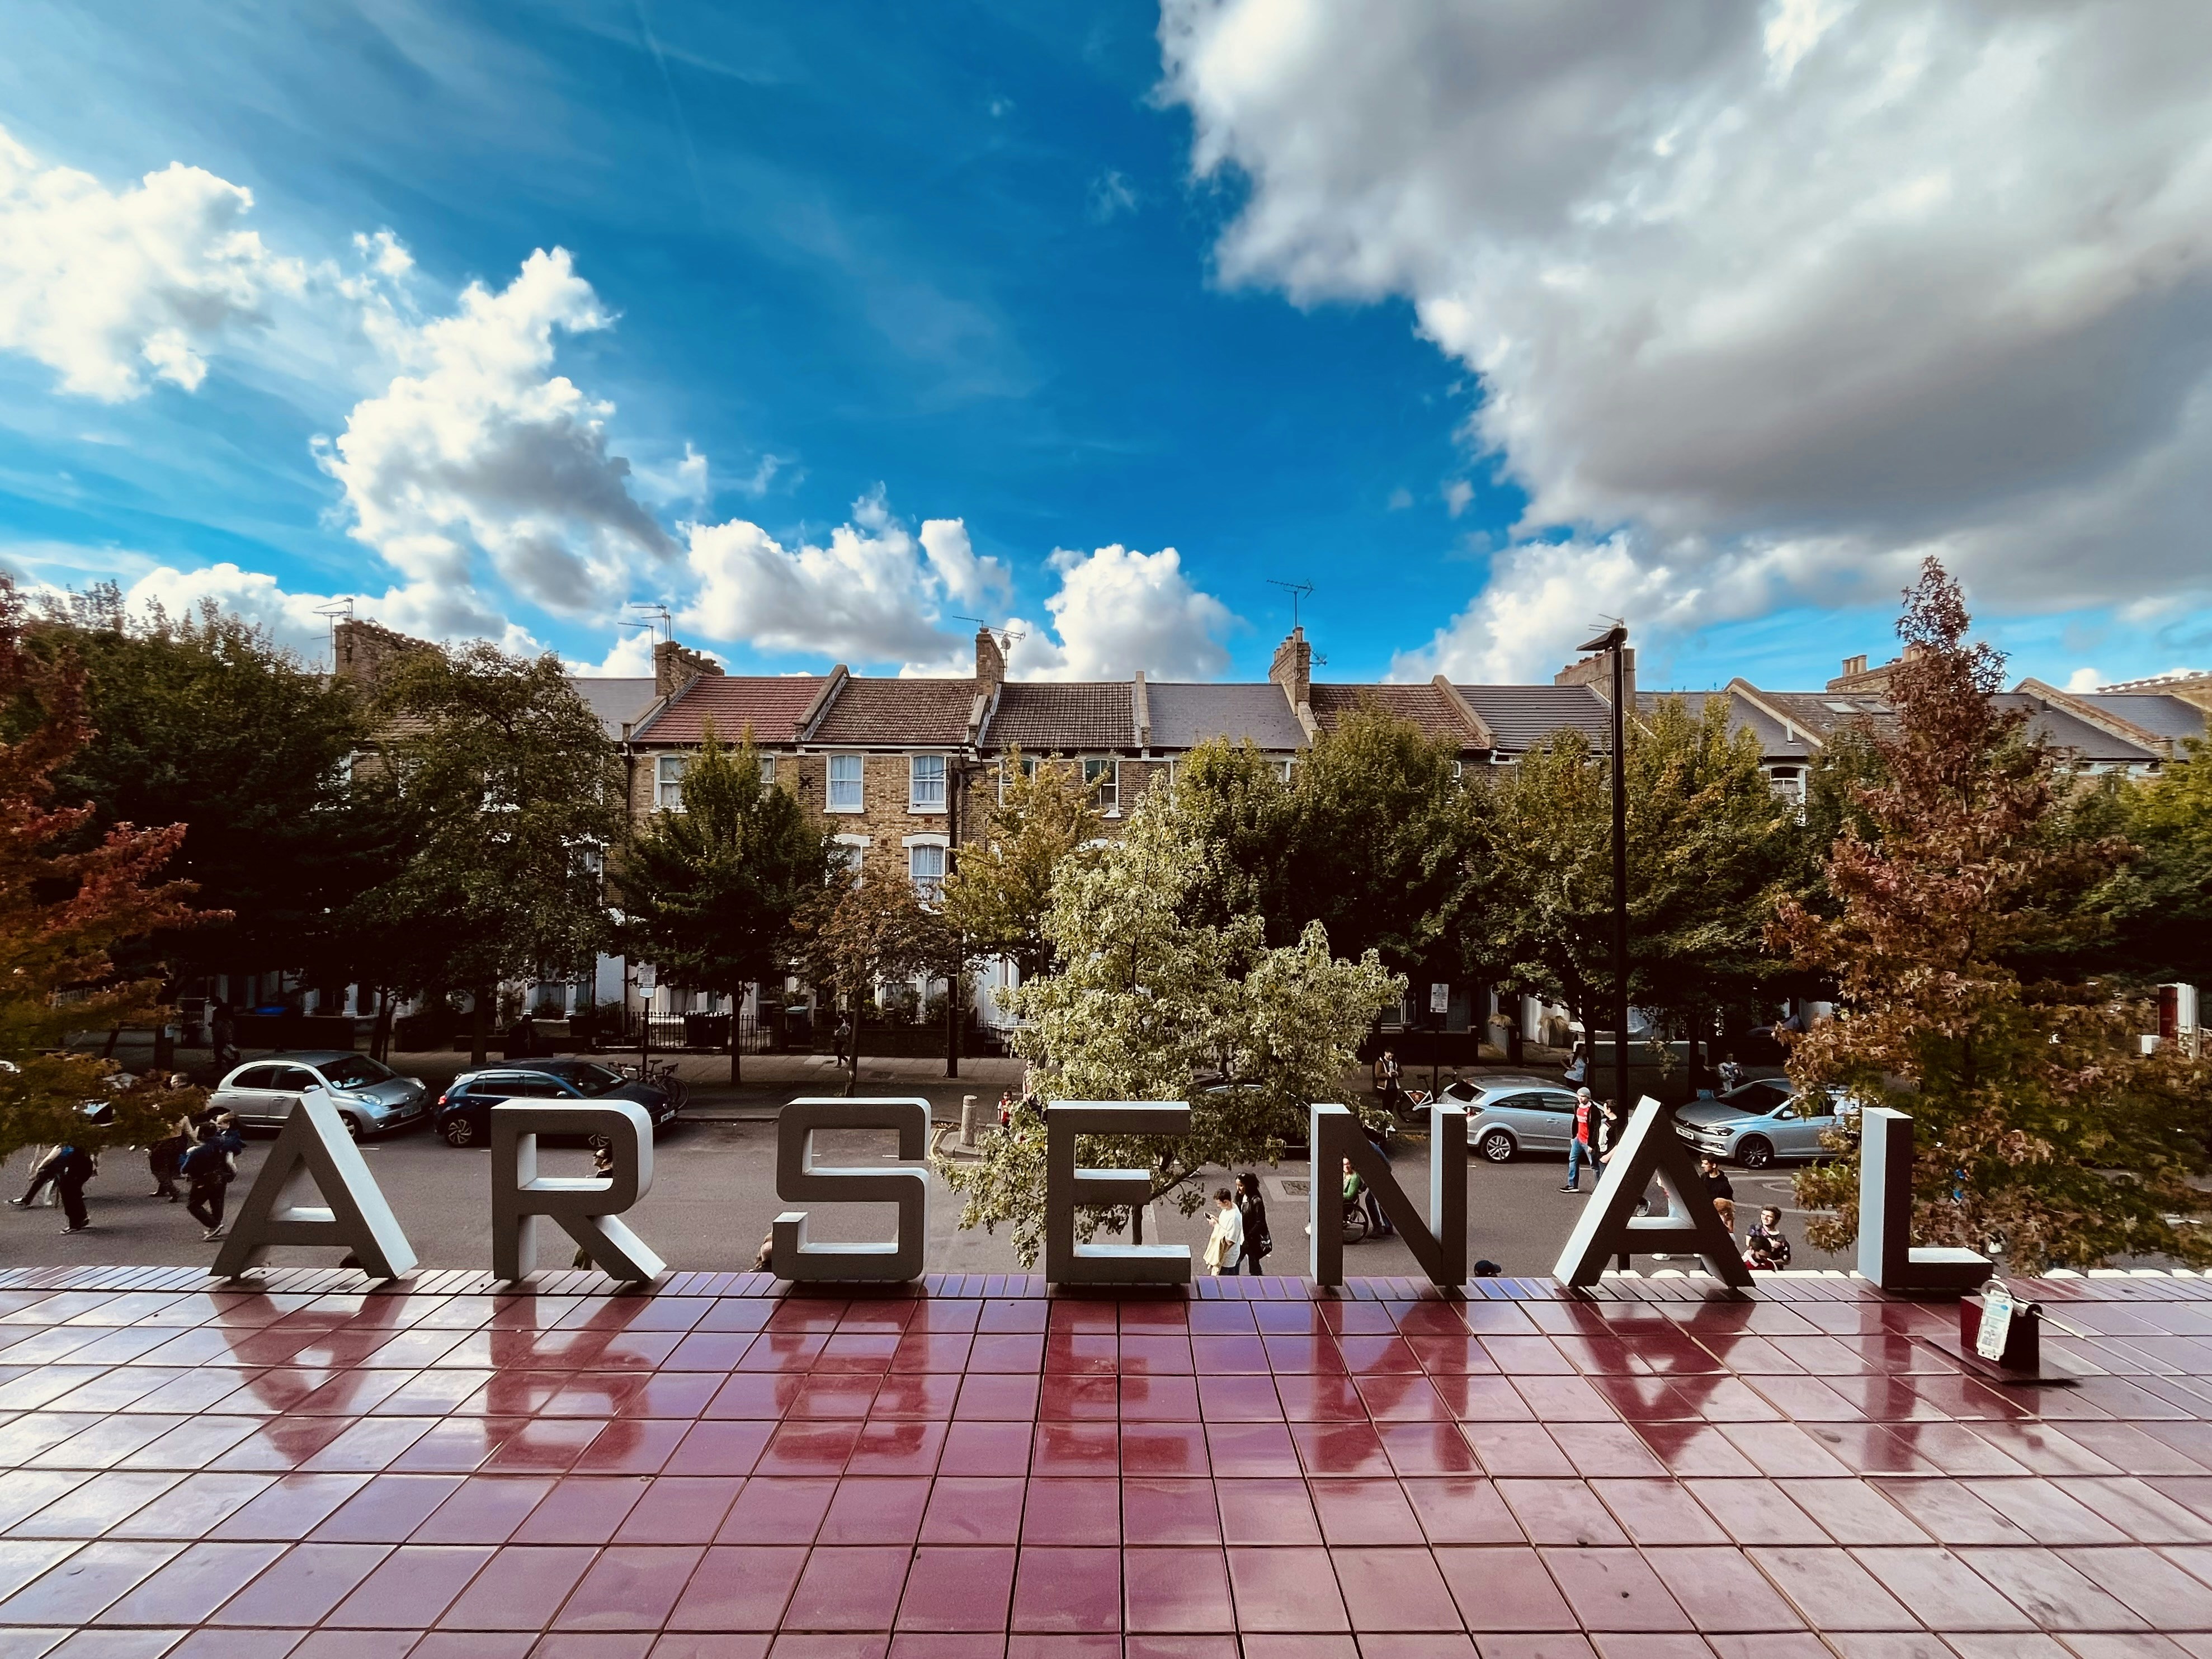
[1766, 1246]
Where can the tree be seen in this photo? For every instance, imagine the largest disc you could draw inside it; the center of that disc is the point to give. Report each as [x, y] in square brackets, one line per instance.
[865, 928]
[64, 914]
[1711, 851]
[2039, 1122]
[1380, 840]
[2160, 905]
[506, 795]
[1150, 1003]
[204, 720]
[708, 894]
[999, 892]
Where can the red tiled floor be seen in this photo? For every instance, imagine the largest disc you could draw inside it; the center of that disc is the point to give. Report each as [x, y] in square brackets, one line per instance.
[1645, 1474]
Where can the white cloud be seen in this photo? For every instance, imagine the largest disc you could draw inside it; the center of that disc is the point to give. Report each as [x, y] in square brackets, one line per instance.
[1401, 499]
[1457, 494]
[115, 288]
[2084, 679]
[1117, 611]
[478, 448]
[1744, 279]
[630, 657]
[875, 593]
[1111, 195]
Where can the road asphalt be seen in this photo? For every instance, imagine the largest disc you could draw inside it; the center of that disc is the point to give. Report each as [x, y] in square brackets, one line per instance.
[713, 1188]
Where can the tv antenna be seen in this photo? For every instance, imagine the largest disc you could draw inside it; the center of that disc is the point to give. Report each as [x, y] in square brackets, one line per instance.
[1006, 635]
[337, 611]
[656, 620]
[1297, 591]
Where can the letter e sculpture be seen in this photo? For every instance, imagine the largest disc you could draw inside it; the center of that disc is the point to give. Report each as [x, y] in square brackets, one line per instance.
[1066, 1186]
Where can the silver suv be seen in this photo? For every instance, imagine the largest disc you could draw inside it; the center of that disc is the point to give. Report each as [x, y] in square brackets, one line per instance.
[370, 1096]
[1761, 1120]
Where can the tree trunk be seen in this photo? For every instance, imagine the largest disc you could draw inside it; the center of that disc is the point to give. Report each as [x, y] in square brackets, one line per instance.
[1514, 1040]
[737, 1002]
[853, 1052]
[114, 1032]
[480, 1027]
[1136, 1224]
[380, 1040]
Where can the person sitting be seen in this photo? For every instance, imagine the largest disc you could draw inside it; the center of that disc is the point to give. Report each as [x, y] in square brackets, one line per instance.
[1766, 1246]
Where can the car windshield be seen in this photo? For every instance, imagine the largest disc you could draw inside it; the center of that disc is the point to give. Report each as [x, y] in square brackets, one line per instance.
[355, 1071]
[587, 1079]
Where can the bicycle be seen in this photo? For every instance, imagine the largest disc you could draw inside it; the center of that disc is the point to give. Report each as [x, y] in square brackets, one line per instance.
[660, 1074]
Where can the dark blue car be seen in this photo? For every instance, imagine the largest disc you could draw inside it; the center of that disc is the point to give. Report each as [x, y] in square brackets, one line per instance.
[464, 1111]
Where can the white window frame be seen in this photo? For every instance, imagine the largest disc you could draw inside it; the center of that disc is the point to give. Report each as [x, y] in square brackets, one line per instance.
[858, 781]
[929, 888]
[856, 848]
[1108, 794]
[917, 783]
[1029, 770]
[766, 770]
[668, 772]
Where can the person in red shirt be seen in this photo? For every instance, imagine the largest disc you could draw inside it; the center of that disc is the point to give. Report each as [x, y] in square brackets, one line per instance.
[1584, 1147]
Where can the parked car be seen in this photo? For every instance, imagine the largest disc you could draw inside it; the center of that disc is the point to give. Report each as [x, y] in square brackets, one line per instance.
[371, 1097]
[1507, 1116]
[1758, 1121]
[464, 1113]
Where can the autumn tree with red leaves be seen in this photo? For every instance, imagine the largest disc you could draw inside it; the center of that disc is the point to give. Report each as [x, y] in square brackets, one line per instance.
[1952, 890]
[63, 914]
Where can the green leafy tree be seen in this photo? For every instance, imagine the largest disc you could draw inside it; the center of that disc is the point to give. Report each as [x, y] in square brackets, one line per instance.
[505, 796]
[204, 720]
[864, 929]
[1000, 888]
[1150, 1003]
[1712, 851]
[2038, 1122]
[1382, 841]
[2159, 907]
[708, 894]
[68, 910]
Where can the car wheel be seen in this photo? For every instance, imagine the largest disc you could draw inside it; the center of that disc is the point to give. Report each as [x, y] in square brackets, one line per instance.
[458, 1132]
[1497, 1147]
[352, 1125]
[1753, 1153]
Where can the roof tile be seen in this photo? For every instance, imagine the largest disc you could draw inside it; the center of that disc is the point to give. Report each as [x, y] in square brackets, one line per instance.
[770, 705]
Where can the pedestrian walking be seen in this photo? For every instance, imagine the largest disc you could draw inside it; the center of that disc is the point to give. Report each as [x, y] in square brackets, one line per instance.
[1582, 1148]
[165, 1158]
[209, 1169]
[1254, 1209]
[1378, 1137]
[76, 1167]
[1388, 1086]
[1224, 1245]
[1578, 1064]
[42, 1177]
[844, 1038]
[1720, 1189]
[222, 1025]
[1730, 1073]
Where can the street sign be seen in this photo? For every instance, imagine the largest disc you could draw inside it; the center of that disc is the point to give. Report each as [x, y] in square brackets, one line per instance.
[645, 979]
[1439, 999]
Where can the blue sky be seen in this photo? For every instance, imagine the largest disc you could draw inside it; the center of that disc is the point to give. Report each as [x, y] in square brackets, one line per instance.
[1024, 267]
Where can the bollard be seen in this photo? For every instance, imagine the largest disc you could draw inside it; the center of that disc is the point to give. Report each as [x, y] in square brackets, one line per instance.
[967, 1120]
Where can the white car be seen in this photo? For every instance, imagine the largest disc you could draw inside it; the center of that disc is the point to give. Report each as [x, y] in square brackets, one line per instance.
[371, 1097]
[1754, 1124]
[1506, 1115]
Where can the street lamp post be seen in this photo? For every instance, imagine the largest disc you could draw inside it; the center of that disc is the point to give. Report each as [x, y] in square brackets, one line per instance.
[1614, 640]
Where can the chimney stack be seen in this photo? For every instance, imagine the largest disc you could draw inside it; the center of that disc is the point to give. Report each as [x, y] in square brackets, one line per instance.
[675, 666]
[1595, 671]
[990, 663]
[1293, 668]
[1854, 665]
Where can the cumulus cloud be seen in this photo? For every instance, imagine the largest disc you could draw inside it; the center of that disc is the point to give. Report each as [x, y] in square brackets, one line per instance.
[1118, 610]
[874, 594]
[1745, 279]
[476, 448]
[116, 289]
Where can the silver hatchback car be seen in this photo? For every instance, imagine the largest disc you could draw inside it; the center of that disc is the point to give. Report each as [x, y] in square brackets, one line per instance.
[1764, 1120]
[370, 1096]
[1507, 1116]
